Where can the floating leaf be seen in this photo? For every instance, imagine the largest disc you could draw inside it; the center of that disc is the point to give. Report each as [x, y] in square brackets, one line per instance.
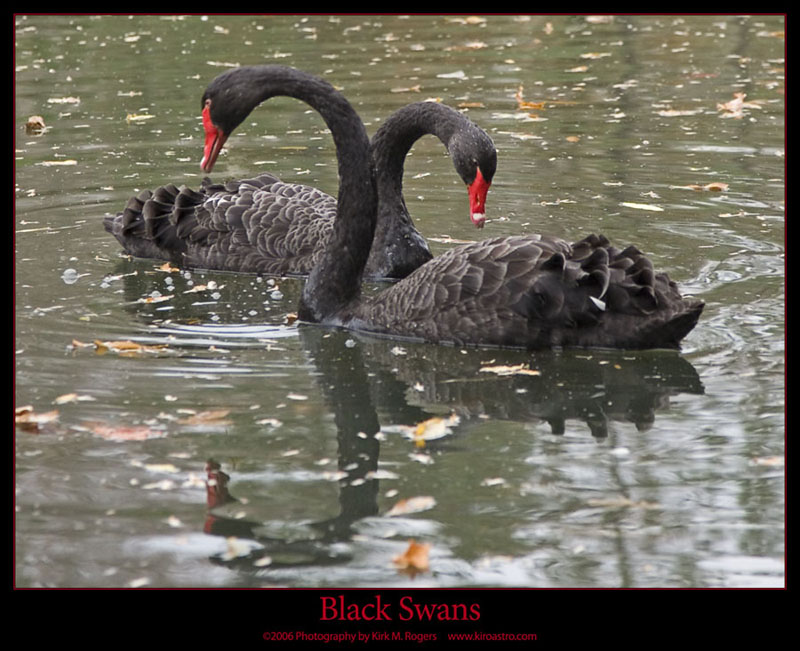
[642, 206]
[168, 268]
[434, 428]
[708, 187]
[209, 417]
[516, 369]
[412, 505]
[458, 74]
[155, 299]
[35, 125]
[126, 347]
[64, 100]
[124, 432]
[27, 419]
[523, 105]
[668, 113]
[133, 117]
[55, 163]
[415, 558]
[71, 397]
[406, 89]
[735, 107]
[595, 55]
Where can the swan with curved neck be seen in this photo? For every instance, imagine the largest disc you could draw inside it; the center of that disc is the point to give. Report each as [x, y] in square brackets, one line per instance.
[265, 225]
[521, 291]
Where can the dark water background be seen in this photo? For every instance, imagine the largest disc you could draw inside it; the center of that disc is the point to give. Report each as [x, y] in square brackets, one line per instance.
[608, 469]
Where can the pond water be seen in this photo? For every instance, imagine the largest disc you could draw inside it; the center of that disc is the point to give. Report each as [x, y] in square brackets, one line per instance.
[236, 448]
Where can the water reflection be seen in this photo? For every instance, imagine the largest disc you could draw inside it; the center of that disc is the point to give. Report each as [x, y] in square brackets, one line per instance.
[361, 378]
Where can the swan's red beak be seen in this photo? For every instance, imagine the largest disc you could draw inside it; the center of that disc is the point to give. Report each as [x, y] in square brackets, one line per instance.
[477, 199]
[215, 139]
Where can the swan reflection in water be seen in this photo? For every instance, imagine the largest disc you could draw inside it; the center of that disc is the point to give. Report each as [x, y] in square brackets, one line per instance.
[363, 377]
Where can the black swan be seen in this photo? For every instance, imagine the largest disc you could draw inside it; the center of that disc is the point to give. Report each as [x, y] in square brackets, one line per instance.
[267, 226]
[523, 291]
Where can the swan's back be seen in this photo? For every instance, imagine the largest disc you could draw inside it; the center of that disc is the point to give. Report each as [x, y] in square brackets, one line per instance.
[259, 225]
[534, 292]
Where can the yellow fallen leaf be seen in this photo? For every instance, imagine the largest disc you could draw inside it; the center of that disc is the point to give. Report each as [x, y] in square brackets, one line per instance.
[133, 117]
[168, 268]
[434, 428]
[525, 105]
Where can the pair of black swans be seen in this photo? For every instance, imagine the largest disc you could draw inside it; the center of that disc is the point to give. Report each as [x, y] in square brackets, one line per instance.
[529, 291]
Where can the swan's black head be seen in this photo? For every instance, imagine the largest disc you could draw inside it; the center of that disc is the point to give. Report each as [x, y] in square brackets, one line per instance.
[227, 101]
[475, 160]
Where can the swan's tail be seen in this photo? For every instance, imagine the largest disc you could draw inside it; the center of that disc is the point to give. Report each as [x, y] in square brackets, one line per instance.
[152, 224]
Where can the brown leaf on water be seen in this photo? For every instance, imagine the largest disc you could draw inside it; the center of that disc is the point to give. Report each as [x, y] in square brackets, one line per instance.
[735, 107]
[209, 417]
[573, 138]
[168, 268]
[523, 105]
[716, 186]
[155, 299]
[35, 125]
[414, 558]
[126, 347]
[27, 419]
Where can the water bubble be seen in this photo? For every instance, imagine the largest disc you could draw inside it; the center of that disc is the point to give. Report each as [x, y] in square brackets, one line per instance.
[69, 276]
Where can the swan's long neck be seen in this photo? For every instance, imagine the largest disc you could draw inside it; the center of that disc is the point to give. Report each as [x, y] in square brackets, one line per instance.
[336, 280]
[394, 140]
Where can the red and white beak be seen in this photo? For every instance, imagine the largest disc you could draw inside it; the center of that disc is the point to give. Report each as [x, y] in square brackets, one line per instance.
[215, 139]
[477, 199]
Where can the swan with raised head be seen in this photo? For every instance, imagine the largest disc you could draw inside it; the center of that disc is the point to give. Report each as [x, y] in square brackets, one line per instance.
[265, 225]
